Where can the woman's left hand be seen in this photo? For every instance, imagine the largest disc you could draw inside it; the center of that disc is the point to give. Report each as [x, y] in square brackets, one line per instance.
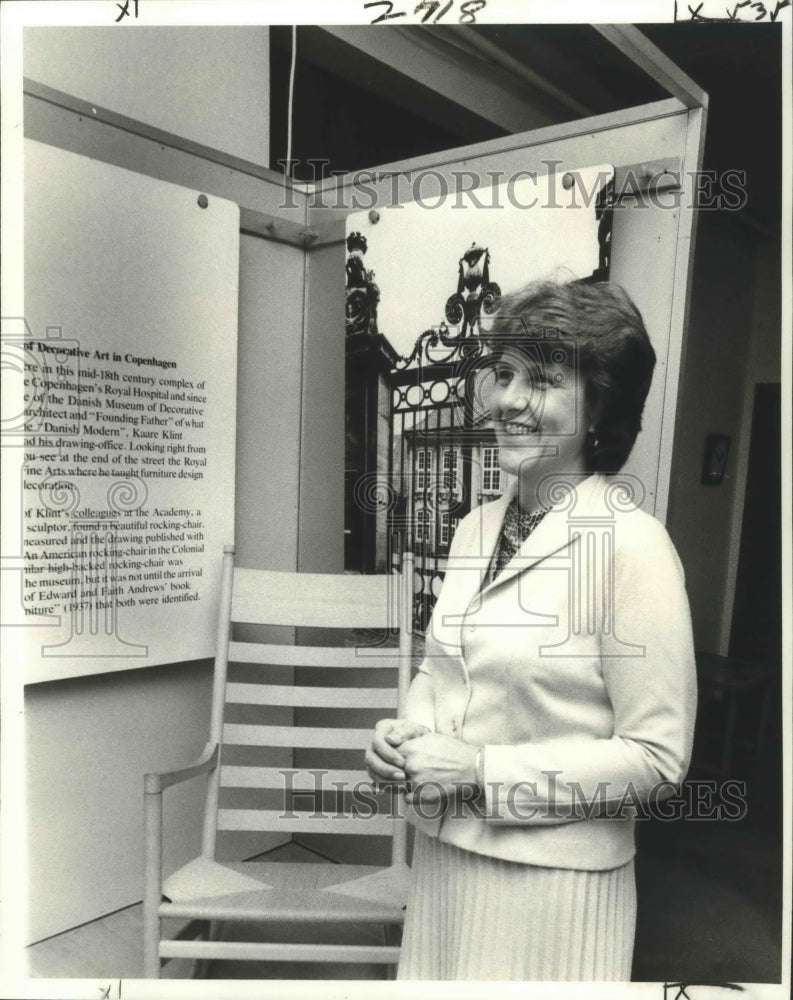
[437, 766]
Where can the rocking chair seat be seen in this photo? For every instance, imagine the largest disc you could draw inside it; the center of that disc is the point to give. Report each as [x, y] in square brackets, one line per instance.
[286, 891]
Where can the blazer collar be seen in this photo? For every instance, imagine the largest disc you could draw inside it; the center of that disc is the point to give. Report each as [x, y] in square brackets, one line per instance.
[552, 533]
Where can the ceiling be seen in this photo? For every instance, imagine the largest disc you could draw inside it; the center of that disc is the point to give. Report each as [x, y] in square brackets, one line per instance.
[355, 118]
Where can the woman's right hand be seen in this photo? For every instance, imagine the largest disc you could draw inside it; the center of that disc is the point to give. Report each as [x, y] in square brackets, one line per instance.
[384, 762]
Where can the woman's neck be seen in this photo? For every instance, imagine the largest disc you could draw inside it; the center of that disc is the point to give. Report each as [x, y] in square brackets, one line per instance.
[535, 493]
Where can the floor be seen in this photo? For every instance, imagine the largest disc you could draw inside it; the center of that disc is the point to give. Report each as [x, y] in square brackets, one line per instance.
[709, 909]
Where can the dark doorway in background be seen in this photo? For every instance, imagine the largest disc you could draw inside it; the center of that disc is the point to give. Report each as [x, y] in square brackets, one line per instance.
[757, 614]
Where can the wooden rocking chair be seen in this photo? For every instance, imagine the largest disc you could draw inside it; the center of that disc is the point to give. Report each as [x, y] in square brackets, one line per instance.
[222, 894]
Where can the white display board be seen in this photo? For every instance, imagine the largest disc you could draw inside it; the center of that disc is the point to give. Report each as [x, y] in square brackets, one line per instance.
[534, 227]
[127, 354]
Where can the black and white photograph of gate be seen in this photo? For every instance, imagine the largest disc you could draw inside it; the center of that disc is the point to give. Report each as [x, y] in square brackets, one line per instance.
[422, 280]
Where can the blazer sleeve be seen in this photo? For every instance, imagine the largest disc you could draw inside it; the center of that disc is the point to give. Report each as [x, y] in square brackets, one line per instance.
[420, 700]
[653, 697]
[420, 703]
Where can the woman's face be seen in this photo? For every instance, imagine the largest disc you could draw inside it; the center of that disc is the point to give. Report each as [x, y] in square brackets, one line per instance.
[539, 416]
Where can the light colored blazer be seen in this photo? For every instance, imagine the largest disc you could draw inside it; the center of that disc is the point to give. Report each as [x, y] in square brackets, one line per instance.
[574, 669]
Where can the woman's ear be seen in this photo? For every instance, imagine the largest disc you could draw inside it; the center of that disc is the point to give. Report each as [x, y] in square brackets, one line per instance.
[593, 417]
[592, 413]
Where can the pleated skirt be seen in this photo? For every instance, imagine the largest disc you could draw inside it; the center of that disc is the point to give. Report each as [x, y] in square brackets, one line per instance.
[470, 916]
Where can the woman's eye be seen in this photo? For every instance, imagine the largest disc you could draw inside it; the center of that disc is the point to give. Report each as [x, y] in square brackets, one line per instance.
[542, 379]
[504, 376]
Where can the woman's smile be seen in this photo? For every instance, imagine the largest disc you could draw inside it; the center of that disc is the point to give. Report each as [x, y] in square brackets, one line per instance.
[512, 429]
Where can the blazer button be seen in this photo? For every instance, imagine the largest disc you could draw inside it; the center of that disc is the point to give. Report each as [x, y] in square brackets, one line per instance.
[454, 725]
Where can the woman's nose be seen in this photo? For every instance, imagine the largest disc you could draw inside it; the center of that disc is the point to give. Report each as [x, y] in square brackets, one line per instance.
[512, 400]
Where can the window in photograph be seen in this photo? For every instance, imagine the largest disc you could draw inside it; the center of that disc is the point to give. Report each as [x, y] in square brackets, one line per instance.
[491, 474]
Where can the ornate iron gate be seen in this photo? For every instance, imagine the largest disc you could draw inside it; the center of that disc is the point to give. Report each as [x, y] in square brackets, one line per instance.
[413, 499]
[434, 440]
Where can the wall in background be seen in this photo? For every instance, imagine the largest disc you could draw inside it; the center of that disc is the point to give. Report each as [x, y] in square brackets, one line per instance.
[321, 527]
[207, 84]
[733, 341]
[269, 380]
[89, 742]
[764, 366]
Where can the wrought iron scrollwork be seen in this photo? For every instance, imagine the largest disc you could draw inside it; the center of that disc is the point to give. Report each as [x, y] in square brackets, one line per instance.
[437, 346]
[456, 339]
[475, 291]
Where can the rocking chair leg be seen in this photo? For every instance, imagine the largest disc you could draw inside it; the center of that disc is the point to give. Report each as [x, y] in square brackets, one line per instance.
[392, 935]
[152, 893]
[202, 965]
[151, 958]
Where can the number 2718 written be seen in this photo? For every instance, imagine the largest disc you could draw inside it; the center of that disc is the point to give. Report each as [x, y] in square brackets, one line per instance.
[430, 10]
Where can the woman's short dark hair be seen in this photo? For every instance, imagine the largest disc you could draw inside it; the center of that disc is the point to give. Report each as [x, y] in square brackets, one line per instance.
[612, 352]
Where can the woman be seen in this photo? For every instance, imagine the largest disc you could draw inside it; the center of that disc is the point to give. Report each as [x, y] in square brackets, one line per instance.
[558, 687]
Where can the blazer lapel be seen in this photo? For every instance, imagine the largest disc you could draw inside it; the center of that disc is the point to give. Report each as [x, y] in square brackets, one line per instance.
[466, 575]
[551, 535]
[492, 519]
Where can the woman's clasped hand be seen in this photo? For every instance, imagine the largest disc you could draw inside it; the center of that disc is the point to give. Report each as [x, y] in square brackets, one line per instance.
[432, 766]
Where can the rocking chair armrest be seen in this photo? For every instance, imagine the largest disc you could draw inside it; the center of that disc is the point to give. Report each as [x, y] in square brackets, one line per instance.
[158, 781]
